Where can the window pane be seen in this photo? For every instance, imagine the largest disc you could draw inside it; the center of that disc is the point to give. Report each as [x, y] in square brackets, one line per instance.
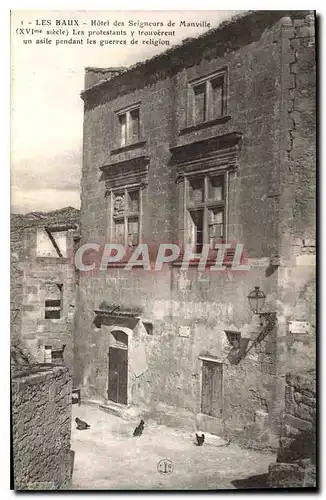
[53, 314]
[123, 129]
[200, 102]
[134, 125]
[196, 191]
[133, 231]
[134, 201]
[215, 188]
[52, 303]
[215, 225]
[197, 239]
[120, 231]
[217, 97]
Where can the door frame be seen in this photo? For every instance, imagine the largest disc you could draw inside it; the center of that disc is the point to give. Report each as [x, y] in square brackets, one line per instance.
[217, 361]
[129, 333]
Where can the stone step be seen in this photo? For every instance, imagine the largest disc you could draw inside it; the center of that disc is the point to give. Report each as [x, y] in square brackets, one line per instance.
[122, 411]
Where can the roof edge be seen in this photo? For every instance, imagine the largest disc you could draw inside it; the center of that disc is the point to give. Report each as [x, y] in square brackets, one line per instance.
[228, 28]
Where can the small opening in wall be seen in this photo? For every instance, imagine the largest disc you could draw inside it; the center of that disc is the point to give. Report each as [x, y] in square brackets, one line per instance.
[47, 354]
[149, 327]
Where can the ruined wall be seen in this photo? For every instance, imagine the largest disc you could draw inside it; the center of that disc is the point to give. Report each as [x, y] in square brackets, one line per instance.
[41, 428]
[30, 276]
[296, 459]
[206, 302]
[40, 276]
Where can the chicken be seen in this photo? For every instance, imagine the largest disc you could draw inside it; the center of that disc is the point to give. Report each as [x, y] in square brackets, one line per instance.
[200, 439]
[81, 425]
[139, 429]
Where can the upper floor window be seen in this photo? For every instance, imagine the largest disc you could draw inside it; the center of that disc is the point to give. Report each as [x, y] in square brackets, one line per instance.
[126, 217]
[129, 123]
[54, 302]
[51, 242]
[207, 98]
[205, 203]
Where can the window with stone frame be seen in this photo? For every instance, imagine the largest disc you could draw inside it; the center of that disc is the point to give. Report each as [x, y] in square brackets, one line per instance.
[129, 125]
[54, 302]
[126, 217]
[205, 210]
[207, 98]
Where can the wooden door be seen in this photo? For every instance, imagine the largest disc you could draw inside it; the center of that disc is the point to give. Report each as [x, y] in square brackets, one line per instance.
[212, 388]
[118, 375]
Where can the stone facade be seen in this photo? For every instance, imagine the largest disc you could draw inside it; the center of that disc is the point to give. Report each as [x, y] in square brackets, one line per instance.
[37, 273]
[41, 427]
[296, 459]
[265, 145]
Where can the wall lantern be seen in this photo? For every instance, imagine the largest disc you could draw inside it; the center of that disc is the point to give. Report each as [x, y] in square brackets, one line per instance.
[256, 300]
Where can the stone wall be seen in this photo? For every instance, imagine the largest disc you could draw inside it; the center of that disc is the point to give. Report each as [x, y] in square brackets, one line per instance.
[29, 275]
[41, 428]
[296, 459]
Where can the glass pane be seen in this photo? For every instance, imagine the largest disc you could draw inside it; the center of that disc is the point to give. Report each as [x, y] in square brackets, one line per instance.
[196, 191]
[217, 97]
[215, 188]
[119, 231]
[123, 129]
[134, 201]
[197, 229]
[200, 102]
[133, 232]
[215, 216]
[134, 125]
[215, 225]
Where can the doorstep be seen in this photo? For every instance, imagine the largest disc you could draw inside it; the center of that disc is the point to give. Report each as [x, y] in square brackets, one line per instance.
[123, 411]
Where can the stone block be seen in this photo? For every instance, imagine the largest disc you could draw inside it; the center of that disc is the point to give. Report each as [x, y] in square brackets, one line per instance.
[297, 423]
[285, 475]
[303, 399]
[298, 22]
[261, 419]
[305, 32]
[301, 446]
[213, 425]
[309, 242]
[288, 431]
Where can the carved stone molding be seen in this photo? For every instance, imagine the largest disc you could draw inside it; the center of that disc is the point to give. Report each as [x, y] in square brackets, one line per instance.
[126, 172]
[213, 154]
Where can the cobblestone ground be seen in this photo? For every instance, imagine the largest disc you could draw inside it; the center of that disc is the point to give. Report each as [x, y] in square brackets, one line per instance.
[109, 458]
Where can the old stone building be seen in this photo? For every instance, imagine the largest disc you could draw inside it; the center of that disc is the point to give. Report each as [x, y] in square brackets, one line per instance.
[211, 141]
[43, 283]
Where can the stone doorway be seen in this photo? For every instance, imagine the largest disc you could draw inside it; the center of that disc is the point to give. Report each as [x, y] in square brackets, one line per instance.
[118, 368]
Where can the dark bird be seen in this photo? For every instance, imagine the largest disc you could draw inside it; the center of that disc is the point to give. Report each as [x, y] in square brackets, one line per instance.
[200, 439]
[81, 425]
[139, 429]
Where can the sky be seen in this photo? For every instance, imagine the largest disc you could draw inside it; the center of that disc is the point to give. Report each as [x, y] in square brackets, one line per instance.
[46, 108]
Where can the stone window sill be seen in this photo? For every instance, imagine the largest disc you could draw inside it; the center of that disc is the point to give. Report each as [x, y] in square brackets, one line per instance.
[128, 147]
[210, 123]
